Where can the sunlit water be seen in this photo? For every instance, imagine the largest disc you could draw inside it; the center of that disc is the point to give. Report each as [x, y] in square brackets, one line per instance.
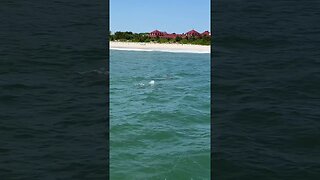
[159, 115]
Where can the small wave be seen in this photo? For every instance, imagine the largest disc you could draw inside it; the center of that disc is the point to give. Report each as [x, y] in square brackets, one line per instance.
[140, 84]
[151, 82]
[95, 71]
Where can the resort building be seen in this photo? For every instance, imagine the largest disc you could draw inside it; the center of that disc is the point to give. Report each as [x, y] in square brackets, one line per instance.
[156, 33]
[206, 33]
[192, 33]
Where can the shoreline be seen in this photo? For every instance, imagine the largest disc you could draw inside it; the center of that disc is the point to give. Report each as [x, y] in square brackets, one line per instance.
[177, 48]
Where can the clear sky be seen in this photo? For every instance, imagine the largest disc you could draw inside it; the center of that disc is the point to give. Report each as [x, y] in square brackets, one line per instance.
[177, 16]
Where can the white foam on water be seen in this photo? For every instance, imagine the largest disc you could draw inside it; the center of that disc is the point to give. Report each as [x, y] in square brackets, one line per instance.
[151, 82]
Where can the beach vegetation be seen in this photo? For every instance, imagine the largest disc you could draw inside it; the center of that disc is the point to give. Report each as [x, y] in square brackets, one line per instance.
[143, 37]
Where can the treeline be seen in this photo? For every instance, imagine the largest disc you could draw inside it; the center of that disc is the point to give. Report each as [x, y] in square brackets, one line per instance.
[143, 37]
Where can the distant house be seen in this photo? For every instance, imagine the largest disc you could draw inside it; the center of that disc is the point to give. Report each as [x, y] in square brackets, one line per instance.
[170, 36]
[156, 33]
[206, 33]
[192, 33]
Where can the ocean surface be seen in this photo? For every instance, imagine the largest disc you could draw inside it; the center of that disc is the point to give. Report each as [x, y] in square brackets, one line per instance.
[160, 130]
[266, 97]
[53, 90]
[54, 97]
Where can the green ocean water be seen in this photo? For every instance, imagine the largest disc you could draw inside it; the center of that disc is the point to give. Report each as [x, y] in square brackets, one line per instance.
[159, 131]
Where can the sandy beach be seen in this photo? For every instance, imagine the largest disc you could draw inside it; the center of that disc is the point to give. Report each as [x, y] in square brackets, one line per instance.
[135, 46]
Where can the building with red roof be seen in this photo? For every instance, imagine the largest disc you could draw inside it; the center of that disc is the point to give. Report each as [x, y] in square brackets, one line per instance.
[206, 33]
[156, 33]
[192, 33]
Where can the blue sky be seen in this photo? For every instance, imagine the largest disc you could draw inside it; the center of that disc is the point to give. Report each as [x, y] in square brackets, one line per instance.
[165, 15]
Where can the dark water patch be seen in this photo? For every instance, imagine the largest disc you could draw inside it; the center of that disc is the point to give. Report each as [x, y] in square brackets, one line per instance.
[53, 119]
[265, 95]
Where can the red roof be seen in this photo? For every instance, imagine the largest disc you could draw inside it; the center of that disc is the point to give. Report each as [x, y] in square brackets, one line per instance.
[192, 32]
[155, 31]
[206, 33]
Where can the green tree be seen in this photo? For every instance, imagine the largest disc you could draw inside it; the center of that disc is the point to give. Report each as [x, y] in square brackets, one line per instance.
[178, 39]
[163, 40]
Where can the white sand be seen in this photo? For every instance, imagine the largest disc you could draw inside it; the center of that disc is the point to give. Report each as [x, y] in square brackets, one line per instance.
[135, 46]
